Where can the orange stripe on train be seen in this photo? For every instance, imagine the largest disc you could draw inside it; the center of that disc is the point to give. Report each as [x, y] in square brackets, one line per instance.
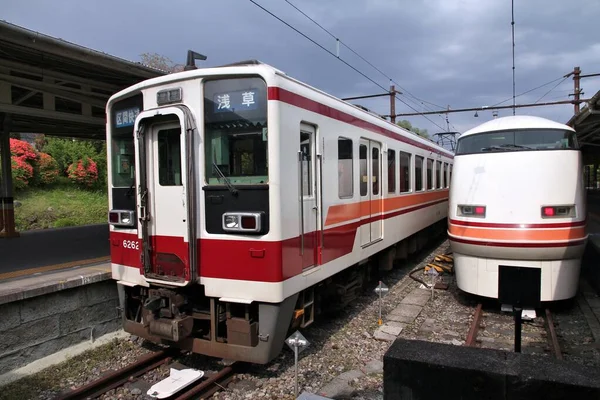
[350, 211]
[518, 234]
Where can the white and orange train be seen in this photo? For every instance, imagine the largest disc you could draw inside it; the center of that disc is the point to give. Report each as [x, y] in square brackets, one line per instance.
[517, 215]
[244, 202]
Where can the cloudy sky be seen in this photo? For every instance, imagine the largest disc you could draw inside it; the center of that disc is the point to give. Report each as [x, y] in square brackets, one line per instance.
[443, 52]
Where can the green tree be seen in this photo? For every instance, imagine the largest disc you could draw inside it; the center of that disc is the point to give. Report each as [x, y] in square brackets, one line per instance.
[408, 126]
[160, 62]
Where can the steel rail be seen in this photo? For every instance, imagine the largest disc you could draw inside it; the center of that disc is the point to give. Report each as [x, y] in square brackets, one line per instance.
[474, 329]
[120, 377]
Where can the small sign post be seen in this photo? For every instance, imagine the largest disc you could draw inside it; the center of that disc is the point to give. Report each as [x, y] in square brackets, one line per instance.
[298, 343]
[434, 274]
[381, 290]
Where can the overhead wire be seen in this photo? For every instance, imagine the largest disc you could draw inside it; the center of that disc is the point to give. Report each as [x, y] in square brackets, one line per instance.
[365, 60]
[342, 60]
[554, 87]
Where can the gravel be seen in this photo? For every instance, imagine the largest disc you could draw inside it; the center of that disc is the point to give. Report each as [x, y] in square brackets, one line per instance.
[343, 343]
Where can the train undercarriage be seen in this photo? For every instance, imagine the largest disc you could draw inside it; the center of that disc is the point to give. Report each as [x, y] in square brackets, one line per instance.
[185, 318]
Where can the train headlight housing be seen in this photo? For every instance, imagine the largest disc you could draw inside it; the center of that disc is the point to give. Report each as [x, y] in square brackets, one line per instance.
[242, 222]
[467, 210]
[567, 211]
[121, 217]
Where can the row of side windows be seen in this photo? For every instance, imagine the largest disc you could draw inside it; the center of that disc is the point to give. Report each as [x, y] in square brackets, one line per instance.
[438, 173]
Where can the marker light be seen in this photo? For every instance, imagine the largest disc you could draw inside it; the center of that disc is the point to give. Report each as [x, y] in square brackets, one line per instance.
[168, 96]
[471, 211]
[242, 222]
[121, 217]
[558, 211]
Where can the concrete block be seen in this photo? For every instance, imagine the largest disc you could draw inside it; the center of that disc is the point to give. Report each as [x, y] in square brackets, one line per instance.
[392, 330]
[24, 356]
[404, 313]
[386, 337]
[50, 304]
[424, 370]
[29, 334]
[88, 316]
[418, 297]
[340, 387]
[396, 324]
[10, 316]
[98, 293]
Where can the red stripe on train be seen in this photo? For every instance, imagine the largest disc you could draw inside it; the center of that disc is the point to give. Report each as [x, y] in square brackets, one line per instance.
[518, 245]
[518, 226]
[280, 94]
[254, 260]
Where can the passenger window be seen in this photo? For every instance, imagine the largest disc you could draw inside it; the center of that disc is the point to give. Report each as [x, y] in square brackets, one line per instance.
[449, 174]
[375, 153]
[364, 179]
[391, 171]
[429, 174]
[438, 173]
[405, 172]
[305, 148]
[445, 175]
[345, 168]
[169, 157]
[418, 173]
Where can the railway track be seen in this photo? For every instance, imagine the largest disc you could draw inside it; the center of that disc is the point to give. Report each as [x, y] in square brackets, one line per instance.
[477, 325]
[202, 389]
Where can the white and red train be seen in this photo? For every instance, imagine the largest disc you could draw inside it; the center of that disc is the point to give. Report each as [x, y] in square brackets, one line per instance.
[244, 202]
[517, 215]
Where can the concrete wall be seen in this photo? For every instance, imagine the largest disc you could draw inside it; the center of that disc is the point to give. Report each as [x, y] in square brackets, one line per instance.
[39, 326]
[420, 370]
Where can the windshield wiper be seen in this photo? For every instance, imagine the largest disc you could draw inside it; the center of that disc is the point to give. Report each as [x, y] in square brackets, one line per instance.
[506, 147]
[231, 188]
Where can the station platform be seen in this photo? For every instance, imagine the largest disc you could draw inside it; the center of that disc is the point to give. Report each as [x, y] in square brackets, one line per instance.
[17, 288]
[46, 250]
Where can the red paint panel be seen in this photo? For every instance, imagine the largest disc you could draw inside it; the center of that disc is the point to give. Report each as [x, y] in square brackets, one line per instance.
[242, 260]
[120, 253]
[276, 93]
[520, 245]
[162, 247]
[518, 226]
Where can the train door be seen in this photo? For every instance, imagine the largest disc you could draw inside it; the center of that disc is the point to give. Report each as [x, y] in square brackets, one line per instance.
[164, 201]
[308, 197]
[371, 206]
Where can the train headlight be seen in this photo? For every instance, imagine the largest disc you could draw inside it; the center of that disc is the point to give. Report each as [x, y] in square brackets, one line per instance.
[471, 211]
[242, 222]
[121, 217]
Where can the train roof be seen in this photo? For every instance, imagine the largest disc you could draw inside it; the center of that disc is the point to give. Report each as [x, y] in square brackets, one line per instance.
[516, 122]
[256, 66]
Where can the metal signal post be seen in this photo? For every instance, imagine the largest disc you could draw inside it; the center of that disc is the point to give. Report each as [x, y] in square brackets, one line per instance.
[381, 290]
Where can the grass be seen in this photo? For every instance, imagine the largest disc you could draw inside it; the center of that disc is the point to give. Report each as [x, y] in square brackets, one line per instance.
[60, 205]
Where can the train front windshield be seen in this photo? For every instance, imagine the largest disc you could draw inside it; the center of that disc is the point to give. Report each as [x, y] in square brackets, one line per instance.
[235, 116]
[517, 140]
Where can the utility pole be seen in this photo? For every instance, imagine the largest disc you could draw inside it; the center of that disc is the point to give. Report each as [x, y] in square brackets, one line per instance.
[576, 79]
[393, 104]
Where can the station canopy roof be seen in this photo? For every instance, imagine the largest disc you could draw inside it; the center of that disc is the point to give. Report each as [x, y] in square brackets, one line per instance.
[51, 86]
[587, 124]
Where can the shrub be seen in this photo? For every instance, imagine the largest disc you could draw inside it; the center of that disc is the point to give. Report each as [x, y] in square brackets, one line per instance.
[84, 172]
[48, 169]
[22, 172]
[23, 159]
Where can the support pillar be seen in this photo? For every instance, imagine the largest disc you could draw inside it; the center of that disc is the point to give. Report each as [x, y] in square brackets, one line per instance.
[7, 211]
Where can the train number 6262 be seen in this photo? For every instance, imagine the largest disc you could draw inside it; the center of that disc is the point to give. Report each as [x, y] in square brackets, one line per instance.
[131, 244]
